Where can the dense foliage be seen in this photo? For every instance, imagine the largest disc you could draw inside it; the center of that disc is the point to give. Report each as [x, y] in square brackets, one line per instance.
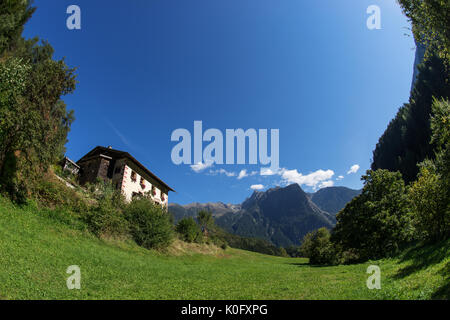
[377, 222]
[13, 16]
[430, 194]
[106, 218]
[189, 229]
[34, 120]
[431, 23]
[150, 225]
[317, 246]
[406, 140]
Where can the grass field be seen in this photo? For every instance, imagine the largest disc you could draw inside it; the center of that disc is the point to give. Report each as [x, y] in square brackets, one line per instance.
[35, 251]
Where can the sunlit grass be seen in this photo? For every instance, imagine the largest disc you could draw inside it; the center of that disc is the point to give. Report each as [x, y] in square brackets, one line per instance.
[35, 251]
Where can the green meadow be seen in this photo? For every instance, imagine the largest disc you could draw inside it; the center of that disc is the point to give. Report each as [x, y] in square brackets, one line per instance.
[37, 246]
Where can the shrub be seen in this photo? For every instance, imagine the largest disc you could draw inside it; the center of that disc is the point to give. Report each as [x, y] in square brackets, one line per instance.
[224, 246]
[431, 217]
[205, 220]
[52, 193]
[189, 229]
[430, 194]
[150, 225]
[348, 256]
[282, 252]
[106, 219]
[318, 247]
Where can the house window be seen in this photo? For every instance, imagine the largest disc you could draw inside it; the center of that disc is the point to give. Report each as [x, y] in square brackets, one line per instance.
[142, 183]
[133, 176]
[153, 191]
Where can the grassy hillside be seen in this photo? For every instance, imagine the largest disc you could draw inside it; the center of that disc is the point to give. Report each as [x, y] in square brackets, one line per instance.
[36, 248]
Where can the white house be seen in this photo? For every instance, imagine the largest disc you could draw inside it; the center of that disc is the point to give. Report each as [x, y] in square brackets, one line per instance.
[125, 172]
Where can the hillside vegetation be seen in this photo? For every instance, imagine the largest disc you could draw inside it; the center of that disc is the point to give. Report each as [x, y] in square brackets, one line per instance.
[36, 250]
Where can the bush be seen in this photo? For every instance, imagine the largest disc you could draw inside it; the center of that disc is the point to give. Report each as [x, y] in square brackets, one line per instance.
[282, 252]
[431, 217]
[150, 224]
[189, 229]
[106, 219]
[318, 247]
[430, 194]
[376, 223]
[52, 193]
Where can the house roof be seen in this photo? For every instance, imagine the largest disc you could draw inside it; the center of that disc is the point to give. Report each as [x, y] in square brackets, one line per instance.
[71, 162]
[109, 152]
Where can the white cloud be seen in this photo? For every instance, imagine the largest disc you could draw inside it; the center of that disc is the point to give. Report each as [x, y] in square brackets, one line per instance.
[227, 173]
[353, 169]
[257, 187]
[340, 178]
[222, 171]
[267, 172]
[326, 184]
[199, 167]
[242, 174]
[315, 179]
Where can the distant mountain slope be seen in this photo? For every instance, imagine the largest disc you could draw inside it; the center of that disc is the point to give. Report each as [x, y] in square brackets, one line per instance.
[333, 199]
[218, 209]
[280, 215]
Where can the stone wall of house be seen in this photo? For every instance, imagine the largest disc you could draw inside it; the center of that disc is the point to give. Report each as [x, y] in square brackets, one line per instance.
[103, 168]
[89, 171]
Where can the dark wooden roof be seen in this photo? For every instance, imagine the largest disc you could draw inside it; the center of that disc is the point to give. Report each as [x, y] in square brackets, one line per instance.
[109, 152]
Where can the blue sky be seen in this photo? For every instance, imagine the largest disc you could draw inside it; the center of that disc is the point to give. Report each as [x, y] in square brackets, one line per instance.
[311, 69]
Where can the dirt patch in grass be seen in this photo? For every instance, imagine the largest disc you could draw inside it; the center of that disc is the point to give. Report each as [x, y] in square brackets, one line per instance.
[181, 248]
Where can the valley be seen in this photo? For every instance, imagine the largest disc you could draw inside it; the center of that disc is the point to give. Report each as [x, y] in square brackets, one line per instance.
[282, 215]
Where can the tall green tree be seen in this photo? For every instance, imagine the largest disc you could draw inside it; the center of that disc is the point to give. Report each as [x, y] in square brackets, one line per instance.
[431, 24]
[430, 194]
[317, 246]
[13, 16]
[35, 122]
[205, 219]
[406, 140]
[377, 222]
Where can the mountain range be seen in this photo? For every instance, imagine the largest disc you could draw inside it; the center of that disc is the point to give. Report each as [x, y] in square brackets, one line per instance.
[281, 215]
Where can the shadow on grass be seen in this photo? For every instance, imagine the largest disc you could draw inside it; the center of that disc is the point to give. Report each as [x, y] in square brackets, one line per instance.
[306, 264]
[421, 257]
[444, 291]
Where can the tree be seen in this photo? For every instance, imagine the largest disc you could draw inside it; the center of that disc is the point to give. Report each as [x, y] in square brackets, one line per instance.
[13, 16]
[150, 225]
[35, 122]
[189, 229]
[406, 140]
[205, 220]
[430, 194]
[376, 223]
[431, 21]
[318, 247]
